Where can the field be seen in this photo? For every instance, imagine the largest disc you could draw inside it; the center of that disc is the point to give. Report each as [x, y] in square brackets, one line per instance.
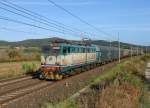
[14, 61]
[13, 54]
[15, 69]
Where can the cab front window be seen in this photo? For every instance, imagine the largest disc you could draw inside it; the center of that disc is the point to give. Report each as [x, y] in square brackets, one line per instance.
[51, 51]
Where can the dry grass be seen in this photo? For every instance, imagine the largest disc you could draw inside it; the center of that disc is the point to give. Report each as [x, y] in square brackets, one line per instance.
[119, 96]
[13, 69]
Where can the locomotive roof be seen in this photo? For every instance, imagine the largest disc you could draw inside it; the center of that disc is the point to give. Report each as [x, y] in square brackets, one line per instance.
[78, 45]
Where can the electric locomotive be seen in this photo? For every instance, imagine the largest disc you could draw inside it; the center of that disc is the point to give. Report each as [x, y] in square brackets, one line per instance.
[62, 58]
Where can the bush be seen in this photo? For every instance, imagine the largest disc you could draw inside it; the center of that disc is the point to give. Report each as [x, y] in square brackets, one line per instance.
[29, 68]
[146, 57]
[13, 54]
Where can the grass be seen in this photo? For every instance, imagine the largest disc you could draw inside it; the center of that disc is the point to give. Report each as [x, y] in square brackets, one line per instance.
[29, 68]
[15, 69]
[65, 104]
[126, 88]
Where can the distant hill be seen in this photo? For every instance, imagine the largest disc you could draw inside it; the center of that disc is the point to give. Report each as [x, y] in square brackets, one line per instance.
[29, 42]
[3, 43]
[45, 41]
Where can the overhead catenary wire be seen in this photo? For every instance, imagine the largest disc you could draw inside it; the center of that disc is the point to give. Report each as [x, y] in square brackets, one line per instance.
[28, 24]
[40, 17]
[21, 31]
[67, 32]
[62, 29]
[80, 19]
[29, 12]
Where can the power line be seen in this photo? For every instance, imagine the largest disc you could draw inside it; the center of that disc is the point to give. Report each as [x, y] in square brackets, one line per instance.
[38, 16]
[28, 24]
[27, 17]
[21, 31]
[77, 17]
[62, 29]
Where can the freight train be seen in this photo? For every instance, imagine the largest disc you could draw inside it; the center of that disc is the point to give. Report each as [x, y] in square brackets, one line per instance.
[61, 59]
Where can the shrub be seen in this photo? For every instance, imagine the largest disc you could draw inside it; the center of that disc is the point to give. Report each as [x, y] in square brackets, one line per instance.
[146, 57]
[13, 54]
[29, 68]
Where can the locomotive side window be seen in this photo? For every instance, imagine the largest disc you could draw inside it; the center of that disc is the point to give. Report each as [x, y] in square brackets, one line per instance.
[68, 49]
[84, 50]
[64, 50]
[73, 50]
[78, 50]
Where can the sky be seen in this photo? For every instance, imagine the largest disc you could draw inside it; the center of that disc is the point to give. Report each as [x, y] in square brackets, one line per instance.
[131, 18]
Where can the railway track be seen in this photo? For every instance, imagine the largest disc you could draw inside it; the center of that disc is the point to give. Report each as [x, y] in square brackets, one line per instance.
[15, 80]
[14, 89]
[14, 86]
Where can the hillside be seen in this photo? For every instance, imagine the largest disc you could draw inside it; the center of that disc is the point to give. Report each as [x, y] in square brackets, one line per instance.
[45, 41]
[4, 43]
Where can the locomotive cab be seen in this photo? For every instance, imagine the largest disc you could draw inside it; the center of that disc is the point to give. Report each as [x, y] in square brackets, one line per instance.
[50, 62]
[50, 54]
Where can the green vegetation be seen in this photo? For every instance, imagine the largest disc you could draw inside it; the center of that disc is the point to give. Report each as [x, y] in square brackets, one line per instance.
[65, 104]
[122, 86]
[29, 68]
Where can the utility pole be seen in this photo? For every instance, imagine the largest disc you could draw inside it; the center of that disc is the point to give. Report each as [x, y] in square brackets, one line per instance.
[137, 51]
[119, 46]
[131, 52]
[146, 50]
[110, 51]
